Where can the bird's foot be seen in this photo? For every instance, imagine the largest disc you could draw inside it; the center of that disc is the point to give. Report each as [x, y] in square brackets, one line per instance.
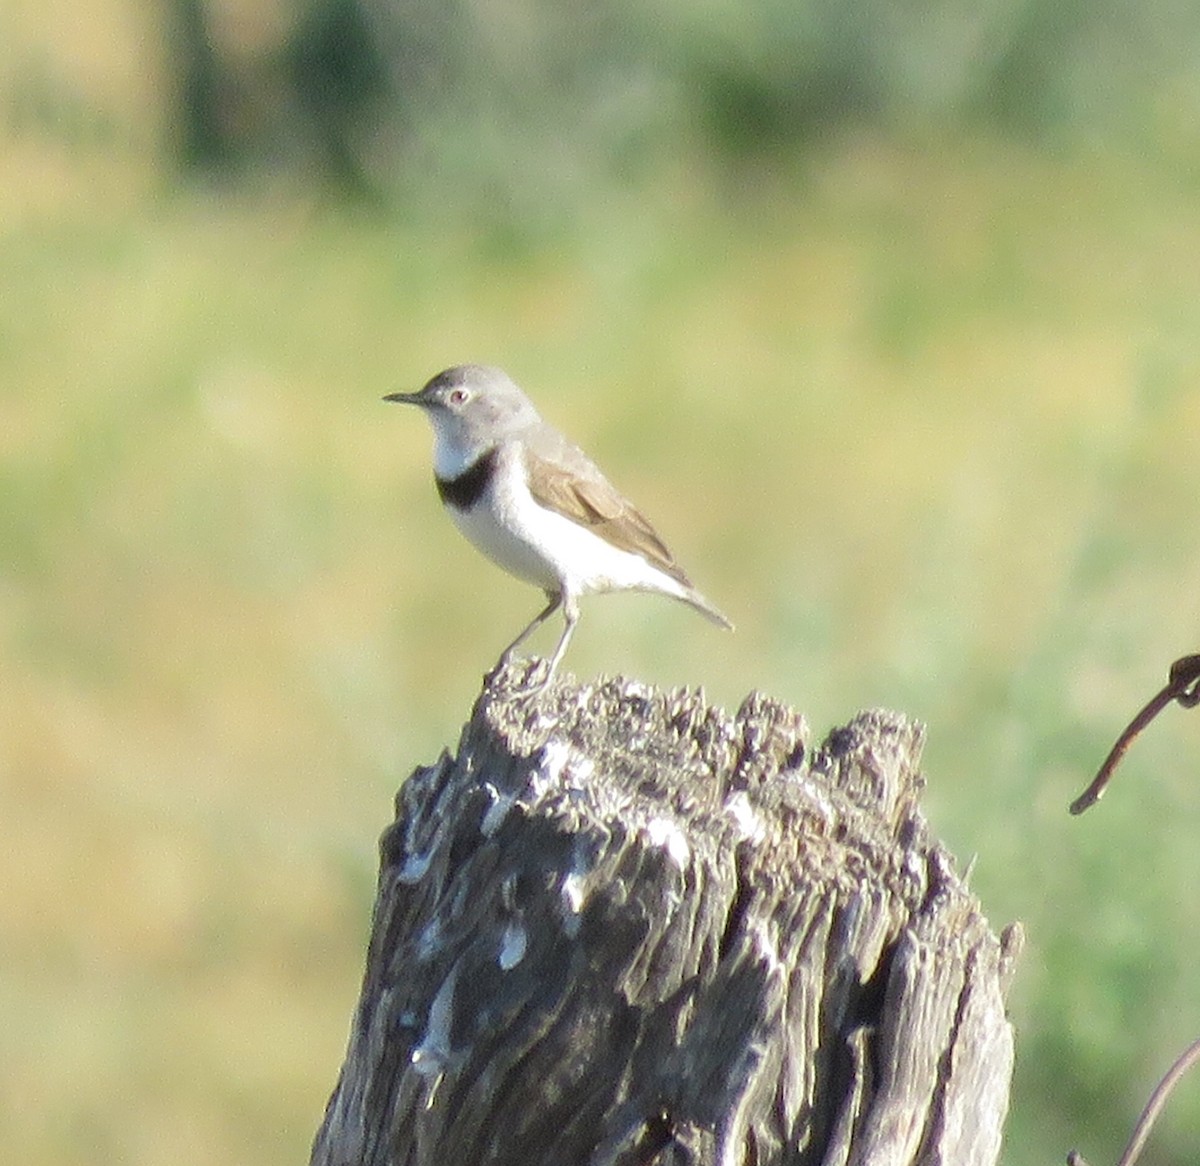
[535, 679]
[538, 675]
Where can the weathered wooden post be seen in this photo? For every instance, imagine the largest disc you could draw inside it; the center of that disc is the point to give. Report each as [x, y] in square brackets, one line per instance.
[623, 927]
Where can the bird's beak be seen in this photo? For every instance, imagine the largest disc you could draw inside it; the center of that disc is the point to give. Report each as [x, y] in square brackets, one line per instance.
[406, 398]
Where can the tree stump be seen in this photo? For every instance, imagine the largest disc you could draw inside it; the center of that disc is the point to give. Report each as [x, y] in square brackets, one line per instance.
[622, 928]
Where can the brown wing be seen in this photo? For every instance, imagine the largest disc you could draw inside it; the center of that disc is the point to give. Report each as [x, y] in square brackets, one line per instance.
[563, 479]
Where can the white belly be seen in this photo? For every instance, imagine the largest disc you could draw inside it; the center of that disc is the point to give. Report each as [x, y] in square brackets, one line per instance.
[546, 549]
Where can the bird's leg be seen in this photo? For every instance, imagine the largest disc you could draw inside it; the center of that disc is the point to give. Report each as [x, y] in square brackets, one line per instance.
[537, 621]
[571, 615]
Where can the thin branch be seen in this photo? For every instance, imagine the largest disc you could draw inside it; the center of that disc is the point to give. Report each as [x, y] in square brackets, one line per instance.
[1182, 688]
[1141, 1131]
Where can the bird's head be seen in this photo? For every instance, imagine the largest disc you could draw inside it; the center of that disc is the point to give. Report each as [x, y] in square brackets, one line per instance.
[472, 407]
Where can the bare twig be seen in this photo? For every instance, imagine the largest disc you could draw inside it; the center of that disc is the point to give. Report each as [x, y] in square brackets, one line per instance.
[1158, 1098]
[1182, 688]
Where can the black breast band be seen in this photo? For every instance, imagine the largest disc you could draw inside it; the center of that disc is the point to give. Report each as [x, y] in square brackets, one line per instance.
[464, 491]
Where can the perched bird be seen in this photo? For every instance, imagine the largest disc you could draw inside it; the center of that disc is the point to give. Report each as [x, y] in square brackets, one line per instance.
[536, 504]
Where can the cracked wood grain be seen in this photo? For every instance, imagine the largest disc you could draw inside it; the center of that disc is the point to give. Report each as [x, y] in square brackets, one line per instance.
[620, 927]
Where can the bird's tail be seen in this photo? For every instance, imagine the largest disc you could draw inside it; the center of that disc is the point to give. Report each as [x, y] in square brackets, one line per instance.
[693, 598]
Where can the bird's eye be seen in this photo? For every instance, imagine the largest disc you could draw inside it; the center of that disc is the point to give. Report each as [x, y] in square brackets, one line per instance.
[458, 396]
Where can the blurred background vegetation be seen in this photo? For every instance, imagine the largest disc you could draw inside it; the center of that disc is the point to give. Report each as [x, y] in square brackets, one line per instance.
[888, 315]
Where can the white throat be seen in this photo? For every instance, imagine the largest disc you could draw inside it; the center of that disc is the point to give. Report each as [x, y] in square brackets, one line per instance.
[452, 456]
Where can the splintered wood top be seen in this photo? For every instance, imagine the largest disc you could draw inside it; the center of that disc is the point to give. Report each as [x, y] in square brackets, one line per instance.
[620, 925]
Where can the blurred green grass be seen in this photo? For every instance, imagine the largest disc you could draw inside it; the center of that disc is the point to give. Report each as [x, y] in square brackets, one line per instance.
[921, 414]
